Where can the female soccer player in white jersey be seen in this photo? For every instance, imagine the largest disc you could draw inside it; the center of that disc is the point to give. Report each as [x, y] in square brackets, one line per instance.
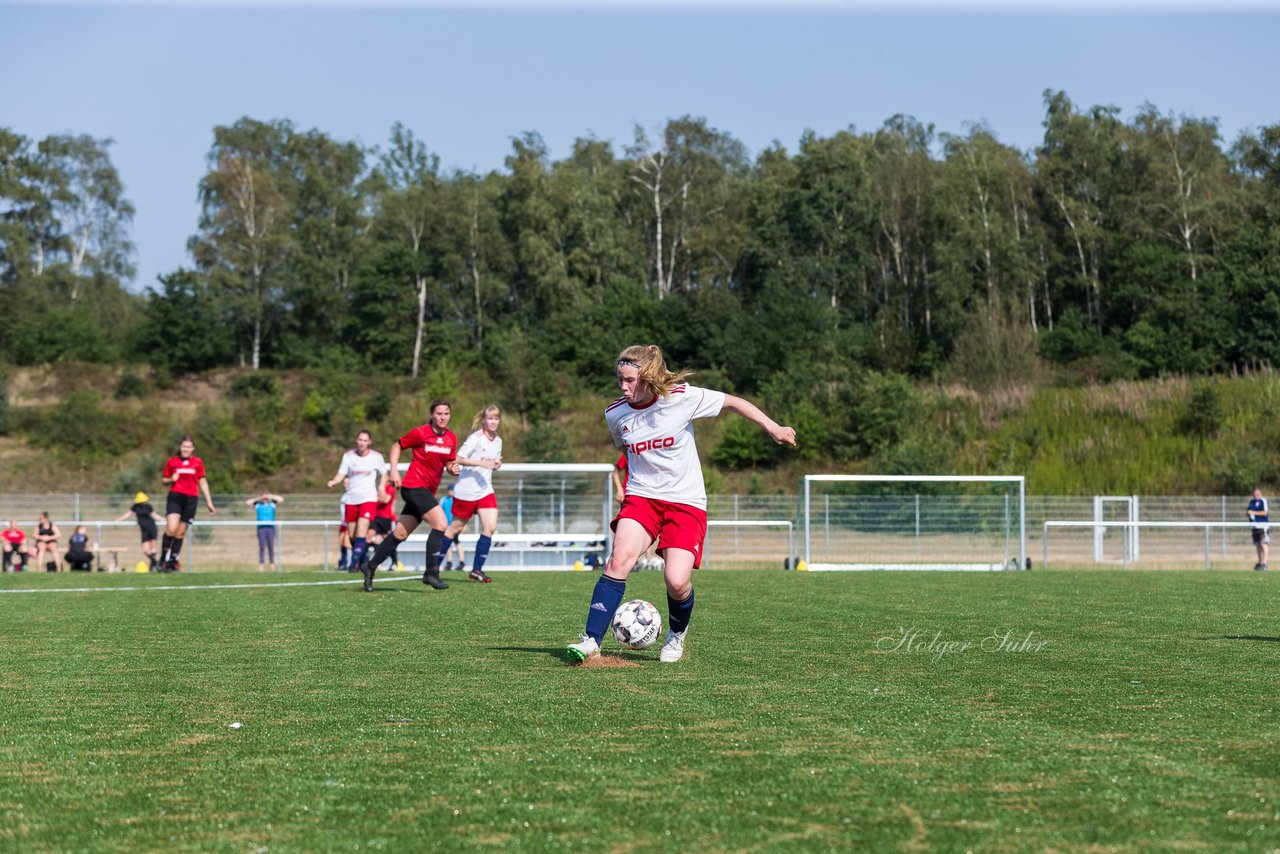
[480, 456]
[666, 500]
[365, 472]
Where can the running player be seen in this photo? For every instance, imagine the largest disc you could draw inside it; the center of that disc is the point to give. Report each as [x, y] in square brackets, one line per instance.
[435, 451]
[480, 457]
[666, 500]
[184, 475]
[365, 473]
[147, 517]
[47, 536]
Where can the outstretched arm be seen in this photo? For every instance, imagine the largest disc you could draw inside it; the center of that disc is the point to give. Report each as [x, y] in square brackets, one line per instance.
[751, 412]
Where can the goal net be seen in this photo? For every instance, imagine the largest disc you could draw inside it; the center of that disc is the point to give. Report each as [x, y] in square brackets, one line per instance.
[904, 522]
[551, 515]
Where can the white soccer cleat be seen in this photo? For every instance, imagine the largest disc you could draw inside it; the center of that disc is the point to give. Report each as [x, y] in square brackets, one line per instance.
[585, 648]
[673, 649]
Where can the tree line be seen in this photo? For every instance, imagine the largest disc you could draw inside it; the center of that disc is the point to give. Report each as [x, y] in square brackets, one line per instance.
[1116, 248]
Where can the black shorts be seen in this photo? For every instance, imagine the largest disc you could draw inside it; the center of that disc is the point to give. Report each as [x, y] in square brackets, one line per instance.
[183, 505]
[383, 525]
[418, 502]
[1260, 537]
[149, 532]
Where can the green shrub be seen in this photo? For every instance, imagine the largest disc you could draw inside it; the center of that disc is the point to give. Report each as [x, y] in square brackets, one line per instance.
[271, 454]
[1202, 415]
[256, 384]
[743, 444]
[320, 411]
[378, 407]
[545, 443]
[131, 385]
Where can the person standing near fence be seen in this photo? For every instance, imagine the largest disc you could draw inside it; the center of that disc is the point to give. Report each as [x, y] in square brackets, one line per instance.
[666, 498]
[264, 508]
[435, 449]
[185, 476]
[47, 536]
[147, 518]
[1259, 515]
[480, 457]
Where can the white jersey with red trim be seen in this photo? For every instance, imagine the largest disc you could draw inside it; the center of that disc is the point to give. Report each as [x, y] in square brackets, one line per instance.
[362, 476]
[658, 439]
[476, 482]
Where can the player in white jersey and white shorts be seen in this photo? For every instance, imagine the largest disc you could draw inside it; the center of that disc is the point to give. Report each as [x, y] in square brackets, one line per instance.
[365, 472]
[666, 499]
[480, 456]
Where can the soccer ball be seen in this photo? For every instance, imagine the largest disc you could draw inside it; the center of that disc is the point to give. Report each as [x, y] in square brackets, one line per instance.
[636, 624]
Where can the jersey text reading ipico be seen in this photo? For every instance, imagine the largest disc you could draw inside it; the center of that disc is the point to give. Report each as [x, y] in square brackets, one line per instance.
[658, 440]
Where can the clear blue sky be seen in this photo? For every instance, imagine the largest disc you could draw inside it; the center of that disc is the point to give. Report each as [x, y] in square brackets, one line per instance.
[157, 79]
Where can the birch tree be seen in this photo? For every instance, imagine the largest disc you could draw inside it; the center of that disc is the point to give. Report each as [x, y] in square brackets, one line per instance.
[409, 204]
[243, 241]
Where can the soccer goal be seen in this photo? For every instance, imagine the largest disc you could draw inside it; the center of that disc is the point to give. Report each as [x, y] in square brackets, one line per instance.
[551, 515]
[905, 522]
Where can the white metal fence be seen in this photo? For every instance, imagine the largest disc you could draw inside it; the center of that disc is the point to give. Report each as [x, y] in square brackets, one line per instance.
[547, 510]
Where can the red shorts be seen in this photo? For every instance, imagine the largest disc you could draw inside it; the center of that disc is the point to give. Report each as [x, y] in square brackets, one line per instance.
[674, 526]
[464, 509]
[352, 512]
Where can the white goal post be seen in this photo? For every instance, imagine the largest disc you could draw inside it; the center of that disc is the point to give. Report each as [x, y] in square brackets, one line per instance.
[953, 531]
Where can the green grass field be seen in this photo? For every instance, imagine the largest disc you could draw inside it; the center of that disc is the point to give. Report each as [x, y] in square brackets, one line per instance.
[1126, 711]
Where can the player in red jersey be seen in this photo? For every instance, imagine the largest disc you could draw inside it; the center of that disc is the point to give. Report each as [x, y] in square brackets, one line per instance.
[184, 475]
[435, 451]
[666, 499]
[384, 518]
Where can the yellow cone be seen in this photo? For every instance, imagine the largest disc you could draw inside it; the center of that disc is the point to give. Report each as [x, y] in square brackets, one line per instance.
[141, 566]
[577, 566]
[802, 566]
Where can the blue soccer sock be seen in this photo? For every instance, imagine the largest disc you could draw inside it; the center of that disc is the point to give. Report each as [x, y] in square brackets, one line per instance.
[604, 602]
[446, 543]
[358, 546]
[342, 557]
[678, 613]
[481, 554]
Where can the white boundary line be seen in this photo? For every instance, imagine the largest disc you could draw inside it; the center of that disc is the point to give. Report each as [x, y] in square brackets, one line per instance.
[396, 577]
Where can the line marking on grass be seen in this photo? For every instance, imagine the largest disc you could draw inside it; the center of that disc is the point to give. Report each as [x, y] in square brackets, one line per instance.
[199, 586]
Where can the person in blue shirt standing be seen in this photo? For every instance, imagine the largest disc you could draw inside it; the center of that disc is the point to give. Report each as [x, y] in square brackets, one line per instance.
[264, 506]
[1258, 515]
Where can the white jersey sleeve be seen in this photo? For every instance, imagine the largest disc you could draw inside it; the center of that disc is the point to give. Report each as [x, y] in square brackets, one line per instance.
[475, 482]
[659, 443]
[362, 475]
